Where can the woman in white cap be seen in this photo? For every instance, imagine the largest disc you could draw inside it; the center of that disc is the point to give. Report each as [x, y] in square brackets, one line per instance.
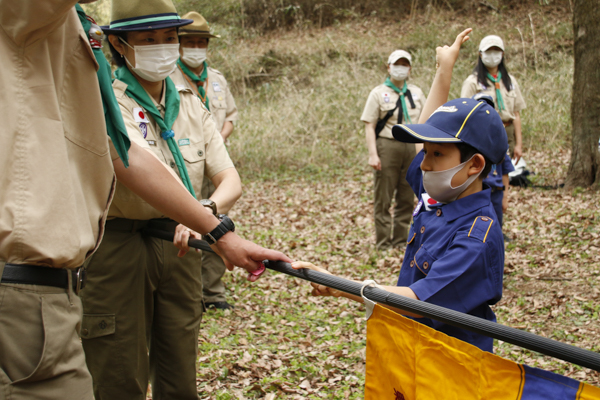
[143, 301]
[491, 77]
[393, 102]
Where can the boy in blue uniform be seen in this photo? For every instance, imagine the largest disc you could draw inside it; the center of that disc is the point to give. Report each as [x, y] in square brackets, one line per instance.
[455, 252]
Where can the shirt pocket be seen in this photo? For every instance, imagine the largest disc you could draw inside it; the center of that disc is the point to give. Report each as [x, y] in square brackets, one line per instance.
[423, 260]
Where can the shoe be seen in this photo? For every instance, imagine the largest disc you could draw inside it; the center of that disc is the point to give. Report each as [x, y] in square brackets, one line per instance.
[219, 305]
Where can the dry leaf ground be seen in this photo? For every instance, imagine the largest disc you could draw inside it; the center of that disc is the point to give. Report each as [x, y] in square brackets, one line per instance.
[281, 342]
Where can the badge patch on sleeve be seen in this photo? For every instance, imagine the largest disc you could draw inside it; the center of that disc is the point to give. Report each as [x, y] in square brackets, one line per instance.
[183, 142]
[144, 129]
[216, 86]
[139, 115]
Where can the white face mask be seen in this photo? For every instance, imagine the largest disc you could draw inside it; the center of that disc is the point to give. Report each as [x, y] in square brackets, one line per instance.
[193, 56]
[491, 58]
[399, 72]
[154, 62]
[438, 184]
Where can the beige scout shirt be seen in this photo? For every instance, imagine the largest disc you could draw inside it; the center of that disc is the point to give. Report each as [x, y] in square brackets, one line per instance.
[383, 98]
[56, 174]
[221, 102]
[201, 145]
[513, 100]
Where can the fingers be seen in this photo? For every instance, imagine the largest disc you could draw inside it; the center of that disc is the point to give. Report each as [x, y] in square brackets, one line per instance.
[304, 264]
[462, 37]
[272, 255]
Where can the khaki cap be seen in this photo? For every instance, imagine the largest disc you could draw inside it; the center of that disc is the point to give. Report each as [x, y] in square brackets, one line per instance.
[398, 54]
[199, 27]
[143, 15]
[491, 41]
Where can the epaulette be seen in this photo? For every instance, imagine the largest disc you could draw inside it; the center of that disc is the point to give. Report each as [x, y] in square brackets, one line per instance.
[480, 228]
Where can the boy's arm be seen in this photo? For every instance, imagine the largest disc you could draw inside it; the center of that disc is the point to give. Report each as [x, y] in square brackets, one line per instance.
[440, 89]
[322, 290]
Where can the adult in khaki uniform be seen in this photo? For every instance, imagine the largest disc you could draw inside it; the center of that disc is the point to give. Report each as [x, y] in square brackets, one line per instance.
[143, 304]
[212, 88]
[56, 181]
[394, 102]
[491, 77]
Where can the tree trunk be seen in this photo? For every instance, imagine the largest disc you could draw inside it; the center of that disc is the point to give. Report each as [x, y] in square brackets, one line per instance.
[584, 169]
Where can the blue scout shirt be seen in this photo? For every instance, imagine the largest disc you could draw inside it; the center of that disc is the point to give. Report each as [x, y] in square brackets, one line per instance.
[454, 257]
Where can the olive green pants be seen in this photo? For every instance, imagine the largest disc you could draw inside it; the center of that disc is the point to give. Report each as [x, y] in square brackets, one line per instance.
[142, 311]
[40, 351]
[390, 183]
[213, 267]
[512, 140]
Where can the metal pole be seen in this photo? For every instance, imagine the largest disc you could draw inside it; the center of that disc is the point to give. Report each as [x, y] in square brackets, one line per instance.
[524, 339]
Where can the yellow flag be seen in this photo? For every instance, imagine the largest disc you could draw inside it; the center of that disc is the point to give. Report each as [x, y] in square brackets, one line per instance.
[407, 360]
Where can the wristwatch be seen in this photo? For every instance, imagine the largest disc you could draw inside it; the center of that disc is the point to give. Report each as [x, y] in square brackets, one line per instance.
[210, 204]
[225, 226]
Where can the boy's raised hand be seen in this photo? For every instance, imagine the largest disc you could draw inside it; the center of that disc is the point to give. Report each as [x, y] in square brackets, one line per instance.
[446, 56]
[318, 290]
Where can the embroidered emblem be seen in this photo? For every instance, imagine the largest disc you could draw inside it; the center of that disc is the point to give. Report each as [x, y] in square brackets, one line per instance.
[216, 86]
[418, 208]
[386, 97]
[144, 129]
[448, 109]
[95, 34]
[183, 142]
[139, 115]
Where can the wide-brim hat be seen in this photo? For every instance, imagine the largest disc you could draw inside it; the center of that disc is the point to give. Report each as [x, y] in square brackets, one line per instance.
[199, 27]
[143, 15]
[398, 54]
[468, 121]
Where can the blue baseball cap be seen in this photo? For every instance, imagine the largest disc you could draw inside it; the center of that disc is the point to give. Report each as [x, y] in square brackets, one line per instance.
[460, 121]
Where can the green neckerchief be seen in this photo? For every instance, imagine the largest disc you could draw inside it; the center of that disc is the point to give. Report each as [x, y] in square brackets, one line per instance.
[115, 126]
[496, 81]
[139, 94]
[388, 83]
[198, 80]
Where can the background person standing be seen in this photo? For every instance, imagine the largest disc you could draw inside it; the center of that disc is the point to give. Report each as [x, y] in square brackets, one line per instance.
[491, 77]
[393, 102]
[212, 88]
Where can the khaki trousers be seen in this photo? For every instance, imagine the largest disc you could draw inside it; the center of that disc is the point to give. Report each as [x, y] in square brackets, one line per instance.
[142, 311]
[213, 267]
[40, 351]
[390, 183]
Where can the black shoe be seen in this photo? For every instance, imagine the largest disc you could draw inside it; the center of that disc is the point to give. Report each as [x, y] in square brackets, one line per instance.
[219, 305]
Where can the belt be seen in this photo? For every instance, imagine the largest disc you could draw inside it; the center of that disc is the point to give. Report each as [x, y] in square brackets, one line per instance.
[498, 189]
[134, 225]
[44, 276]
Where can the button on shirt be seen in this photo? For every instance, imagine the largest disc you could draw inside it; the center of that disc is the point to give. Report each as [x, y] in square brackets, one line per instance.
[451, 262]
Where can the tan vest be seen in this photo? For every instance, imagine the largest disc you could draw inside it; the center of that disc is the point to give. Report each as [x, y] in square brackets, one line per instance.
[513, 100]
[221, 102]
[200, 143]
[56, 173]
[383, 98]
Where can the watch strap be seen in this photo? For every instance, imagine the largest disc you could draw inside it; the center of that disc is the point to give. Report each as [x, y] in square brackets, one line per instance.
[225, 226]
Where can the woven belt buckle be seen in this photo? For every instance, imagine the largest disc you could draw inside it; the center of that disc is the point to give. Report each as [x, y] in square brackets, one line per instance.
[80, 277]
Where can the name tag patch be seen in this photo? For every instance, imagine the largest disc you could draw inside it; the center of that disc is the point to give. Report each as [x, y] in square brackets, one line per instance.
[216, 86]
[183, 142]
[139, 115]
[152, 142]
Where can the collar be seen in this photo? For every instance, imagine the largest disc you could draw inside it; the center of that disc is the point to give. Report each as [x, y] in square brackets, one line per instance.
[466, 205]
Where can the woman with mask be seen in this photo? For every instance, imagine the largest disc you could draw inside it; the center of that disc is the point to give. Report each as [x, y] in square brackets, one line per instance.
[491, 77]
[143, 300]
[212, 88]
[393, 102]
